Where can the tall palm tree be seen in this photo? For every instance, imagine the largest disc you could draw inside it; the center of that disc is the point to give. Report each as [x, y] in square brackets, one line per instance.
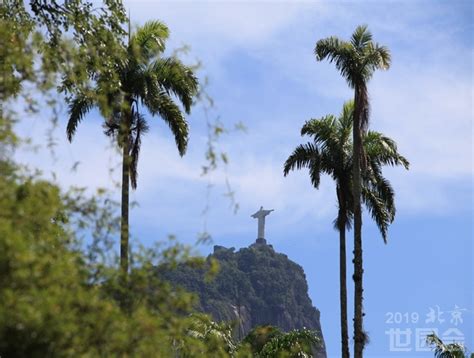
[356, 60]
[148, 80]
[331, 153]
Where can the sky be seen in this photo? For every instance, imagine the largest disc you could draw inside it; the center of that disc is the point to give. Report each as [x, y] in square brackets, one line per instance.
[258, 58]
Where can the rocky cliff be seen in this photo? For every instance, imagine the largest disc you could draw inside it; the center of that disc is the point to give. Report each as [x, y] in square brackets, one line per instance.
[254, 286]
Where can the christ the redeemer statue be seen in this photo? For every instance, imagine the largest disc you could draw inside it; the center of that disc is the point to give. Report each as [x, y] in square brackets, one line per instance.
[260, 215]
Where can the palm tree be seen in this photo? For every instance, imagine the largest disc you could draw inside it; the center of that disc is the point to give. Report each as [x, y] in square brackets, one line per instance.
[331, 153]
[147, 79]
[356, 60]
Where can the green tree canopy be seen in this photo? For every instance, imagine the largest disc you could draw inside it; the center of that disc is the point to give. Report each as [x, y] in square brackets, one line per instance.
[56, 303]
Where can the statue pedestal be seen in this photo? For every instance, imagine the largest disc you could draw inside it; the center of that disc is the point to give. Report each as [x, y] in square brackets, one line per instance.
[261, 241]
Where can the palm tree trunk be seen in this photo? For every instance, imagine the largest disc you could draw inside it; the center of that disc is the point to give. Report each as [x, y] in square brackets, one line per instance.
[124, 230]
[343, 291]
[359, 335]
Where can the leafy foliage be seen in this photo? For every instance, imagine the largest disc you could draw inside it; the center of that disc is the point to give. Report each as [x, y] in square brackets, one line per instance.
[442, 350]
[258, 337]
[59, 301]
[50, 45]
[37, 50]
[216, 336]
[296, 343]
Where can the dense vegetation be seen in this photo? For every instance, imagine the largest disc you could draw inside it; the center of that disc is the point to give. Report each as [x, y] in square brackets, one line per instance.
[57, 301]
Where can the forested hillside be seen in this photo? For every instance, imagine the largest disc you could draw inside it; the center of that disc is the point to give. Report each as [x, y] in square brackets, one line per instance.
[254, 286]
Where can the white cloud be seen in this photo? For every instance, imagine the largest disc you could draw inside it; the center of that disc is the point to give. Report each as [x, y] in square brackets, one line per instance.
[241, 23]
[429, 113]
[425, 105]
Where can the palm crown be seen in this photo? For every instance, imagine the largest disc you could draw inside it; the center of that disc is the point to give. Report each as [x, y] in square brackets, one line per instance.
[331, 153]
[147, 79]
[356, 60]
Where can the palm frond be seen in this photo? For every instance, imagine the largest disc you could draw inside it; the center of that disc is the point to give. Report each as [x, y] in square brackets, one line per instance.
[347, 115]
[376, 57]
[378, 194]
[383, 150]
[442, 350]
[377, 210]
[159, 102]
[78, 108]
[307, 156]
[323, 131]
[361, 37]
[340, 52]
[148, 41]
[173, 76]
[344, 124]
[315, 173]
[304, 156]
[376, 183]
[328, 48]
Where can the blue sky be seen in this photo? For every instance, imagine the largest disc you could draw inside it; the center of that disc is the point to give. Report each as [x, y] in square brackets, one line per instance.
[262, 71]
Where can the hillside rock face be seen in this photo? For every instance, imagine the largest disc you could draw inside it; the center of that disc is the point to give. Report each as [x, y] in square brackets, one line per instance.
[254, 286]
